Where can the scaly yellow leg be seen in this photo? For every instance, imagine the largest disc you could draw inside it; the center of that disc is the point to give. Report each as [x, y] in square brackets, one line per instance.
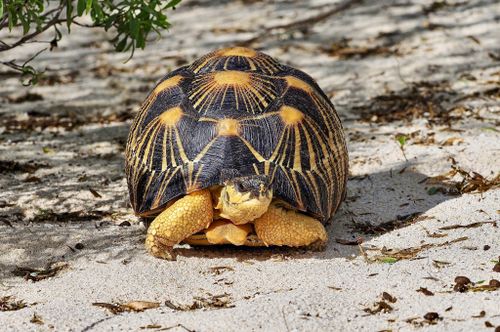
[283, 227]
[190, 214]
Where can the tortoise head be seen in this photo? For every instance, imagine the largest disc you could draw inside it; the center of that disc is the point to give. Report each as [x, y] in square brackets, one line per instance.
[245, 198]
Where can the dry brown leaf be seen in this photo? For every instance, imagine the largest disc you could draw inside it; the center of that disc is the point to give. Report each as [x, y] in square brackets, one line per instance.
[37, 274]
[393, 255]
[138, 306]
[425, 291]
[9, 303]
[36, 319]
[135, 306]
[451, 141]
[471, 225]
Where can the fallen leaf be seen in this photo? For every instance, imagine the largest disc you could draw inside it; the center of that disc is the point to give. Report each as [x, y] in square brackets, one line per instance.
[451, 141]
[471, 225]
[37, 274]
[393, 255]
[95, 193]
[380, 306]
[135, 306]
[425, 291]
[481, 314]
[212, 301]
[139, 306]
[47, 150]
[9, 303]
[388, 297]
[36, 319]
[217, 270]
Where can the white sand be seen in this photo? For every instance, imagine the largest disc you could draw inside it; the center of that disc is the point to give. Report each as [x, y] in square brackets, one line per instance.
[266, 289]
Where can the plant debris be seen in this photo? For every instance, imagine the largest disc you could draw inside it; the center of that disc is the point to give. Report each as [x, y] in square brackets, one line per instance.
[382, 305]
[494, 283]
[471, 225]
[439, 264]
[344, 49]
[50, 215]
[464, 284]
[71, 120]
[211, 302]
[9, 303]
[471, 182]
[420, 99]
[425, 291]
[217, 270]
[388, 297]
[399, 222]
[9, 166]
[95, 193]
[481, 314]
[133, 306]
[37, 274]
[36, 319]
[409, 253]
[29, 96]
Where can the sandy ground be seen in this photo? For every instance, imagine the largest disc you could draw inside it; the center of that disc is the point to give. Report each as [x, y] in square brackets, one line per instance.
[427, 70]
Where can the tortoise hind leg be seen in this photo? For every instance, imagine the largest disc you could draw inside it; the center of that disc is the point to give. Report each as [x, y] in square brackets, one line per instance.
[188, 215]
[283, 227]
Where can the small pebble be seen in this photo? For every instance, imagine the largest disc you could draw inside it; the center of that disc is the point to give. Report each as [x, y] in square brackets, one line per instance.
[79, 246]
[496, 268]
[486, 247]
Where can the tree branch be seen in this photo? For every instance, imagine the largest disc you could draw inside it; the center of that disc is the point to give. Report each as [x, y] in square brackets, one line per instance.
[55, 20]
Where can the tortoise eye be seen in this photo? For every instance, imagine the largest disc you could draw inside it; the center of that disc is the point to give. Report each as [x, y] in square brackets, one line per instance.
[239, 186]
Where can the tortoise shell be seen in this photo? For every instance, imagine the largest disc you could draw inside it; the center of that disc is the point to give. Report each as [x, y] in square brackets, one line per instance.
[237, 110]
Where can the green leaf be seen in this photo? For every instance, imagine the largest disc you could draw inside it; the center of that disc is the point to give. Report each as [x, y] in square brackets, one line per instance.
[11, 20]
[479, 282]
[490, 129]
[172, 3]
[402, 139]
[388, 260]
[89, 6]
[69, 14]
[140, 41]
[47, 149]
[80, 7]
[25, 24]
[134, 28]
[121, 45]
[1, 8]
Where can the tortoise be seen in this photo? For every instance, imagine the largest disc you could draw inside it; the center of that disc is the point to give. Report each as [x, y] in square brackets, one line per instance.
[236, 148]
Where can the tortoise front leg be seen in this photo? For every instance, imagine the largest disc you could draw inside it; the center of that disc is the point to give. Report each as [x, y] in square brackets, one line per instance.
[188, 215]
[282, 227]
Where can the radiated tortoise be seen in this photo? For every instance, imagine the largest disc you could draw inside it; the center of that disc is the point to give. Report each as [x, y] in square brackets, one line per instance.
[236, 148]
